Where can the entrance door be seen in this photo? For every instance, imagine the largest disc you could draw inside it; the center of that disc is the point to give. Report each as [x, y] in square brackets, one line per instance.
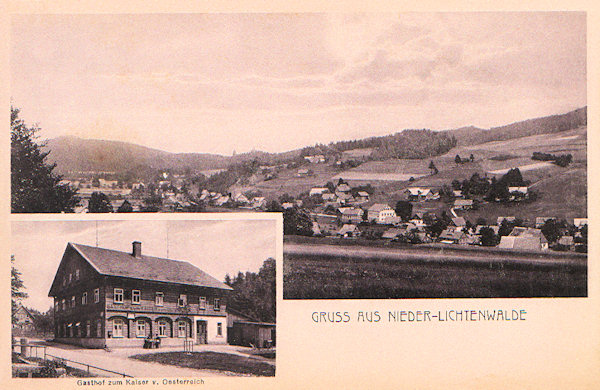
[201, 332]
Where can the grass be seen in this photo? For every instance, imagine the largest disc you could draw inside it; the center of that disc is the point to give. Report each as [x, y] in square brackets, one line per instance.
[223, 362]
[319, 276]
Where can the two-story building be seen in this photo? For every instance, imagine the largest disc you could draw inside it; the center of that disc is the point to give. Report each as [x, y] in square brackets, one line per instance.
[107, 298]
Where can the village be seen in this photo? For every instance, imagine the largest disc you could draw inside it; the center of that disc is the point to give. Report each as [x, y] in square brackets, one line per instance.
[421, 215]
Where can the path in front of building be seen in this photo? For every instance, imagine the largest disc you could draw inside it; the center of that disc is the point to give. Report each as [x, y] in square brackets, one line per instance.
[118, 360]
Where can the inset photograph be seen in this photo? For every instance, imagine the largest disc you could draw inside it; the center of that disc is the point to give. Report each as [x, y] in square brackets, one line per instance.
[177, 298]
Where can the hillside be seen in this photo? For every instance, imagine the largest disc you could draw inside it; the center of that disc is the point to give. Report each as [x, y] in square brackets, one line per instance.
[548, 124]
[73, 154]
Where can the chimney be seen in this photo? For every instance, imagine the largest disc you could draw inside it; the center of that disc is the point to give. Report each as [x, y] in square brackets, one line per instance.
[137, 249]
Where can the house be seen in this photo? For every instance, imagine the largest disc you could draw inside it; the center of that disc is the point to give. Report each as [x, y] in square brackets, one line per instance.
[287, 205]
[567, 241]
[361, 197]
[381, 213]
[457, 193]
[23, 319]
[463, 204]
[524, 238]
[420, 194]
[319, 158]
[348, 230]
[302, 172]
[327, 224]
[247, 331]
[138, 186]
[107, 183]
[579, 222]
[351, 215]
[259, 202]
[518, 190]
[459, 222]
[540, 221]
[452, 236]
[240, 198]
[328, 196]
[317, 191]
[392, 233]
[107, 298]
[222, 200]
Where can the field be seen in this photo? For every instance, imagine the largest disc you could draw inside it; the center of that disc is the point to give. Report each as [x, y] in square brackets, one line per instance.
[317, 272]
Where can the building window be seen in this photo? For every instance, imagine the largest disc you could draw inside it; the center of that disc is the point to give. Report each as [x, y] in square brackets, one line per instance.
[64, 281]
[219, 329]
[73, 301]
[64, 304]
[202, 303]
[84, 299]
[118, 295]
[77, 274]
[159, 299]
[135, 297]
[162, 328]
[181, 329]
[141, 328]
[117, 327]
[99, 328]
[182, 300]
[97, 295]
[70, 277]
[88, 329]
[217, 306]
[56, 306]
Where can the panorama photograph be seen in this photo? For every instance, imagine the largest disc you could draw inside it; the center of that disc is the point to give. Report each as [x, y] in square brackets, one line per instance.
[412, 155]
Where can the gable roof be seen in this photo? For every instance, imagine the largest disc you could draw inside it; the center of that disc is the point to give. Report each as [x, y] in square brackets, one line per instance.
[520, 242]
[392, 233]
[379, 207]
[463, 202]
[459, 221]
[116, 263]
[347, 228]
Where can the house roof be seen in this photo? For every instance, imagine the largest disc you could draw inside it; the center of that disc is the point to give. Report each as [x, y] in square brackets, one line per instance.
[363, 194]
[459, 221]
[351, 211]
[379, 207]
[450, 234]
[518, 189]
[343, 187]
[519, 231]
[566, 240]
[392, 233]
[508, 219]
[347, 228]
[116, 263]
[463, 202]
[520, 242]
[418, 191]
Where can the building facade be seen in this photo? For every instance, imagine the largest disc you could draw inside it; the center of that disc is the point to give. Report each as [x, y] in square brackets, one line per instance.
[107, 298]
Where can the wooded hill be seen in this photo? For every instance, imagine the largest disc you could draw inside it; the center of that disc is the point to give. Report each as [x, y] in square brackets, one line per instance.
[72, 154]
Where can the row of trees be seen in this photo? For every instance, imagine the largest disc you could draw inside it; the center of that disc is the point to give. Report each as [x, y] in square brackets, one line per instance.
[254, 293]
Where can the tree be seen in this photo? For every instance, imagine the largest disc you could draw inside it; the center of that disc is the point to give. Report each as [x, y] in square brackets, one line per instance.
[35, 188]
[274, 206]
[488, 237]
[254, 293]
[16, 288]
[457, 159]
[99, 203]
[404, 209]
[433, 168]
[297, 222]
[551, 229]
[471, 157]
[125, 207]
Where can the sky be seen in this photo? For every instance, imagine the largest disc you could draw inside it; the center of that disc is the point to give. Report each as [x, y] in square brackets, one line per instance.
[216, 247]
[219, 83]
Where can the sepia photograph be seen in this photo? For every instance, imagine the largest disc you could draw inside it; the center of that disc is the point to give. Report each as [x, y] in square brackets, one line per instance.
[143, 299]
[413, 155]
